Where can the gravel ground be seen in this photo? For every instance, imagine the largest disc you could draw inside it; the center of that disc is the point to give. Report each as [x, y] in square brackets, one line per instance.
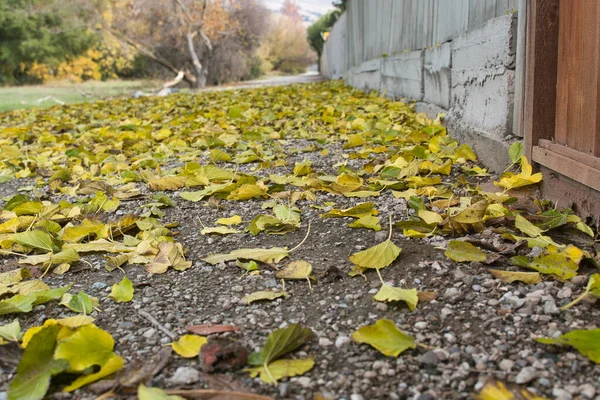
[476, 329]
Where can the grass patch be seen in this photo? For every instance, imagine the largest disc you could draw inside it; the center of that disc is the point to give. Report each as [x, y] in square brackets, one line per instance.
[19, 97]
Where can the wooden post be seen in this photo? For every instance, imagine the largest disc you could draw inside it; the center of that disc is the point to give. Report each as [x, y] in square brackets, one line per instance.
[541, 72]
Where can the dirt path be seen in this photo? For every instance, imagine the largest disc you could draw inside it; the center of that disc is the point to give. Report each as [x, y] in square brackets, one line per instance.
[296, 153]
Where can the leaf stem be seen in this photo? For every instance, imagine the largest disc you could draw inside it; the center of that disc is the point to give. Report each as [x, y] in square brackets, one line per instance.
[390, 235]
[303, 240]
[380, 277]
[577, 300]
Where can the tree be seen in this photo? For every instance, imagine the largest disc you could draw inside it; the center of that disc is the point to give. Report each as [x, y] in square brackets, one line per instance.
[340, 4]
[187, 36]
[285, 47]
[40, 31]
[315, 32]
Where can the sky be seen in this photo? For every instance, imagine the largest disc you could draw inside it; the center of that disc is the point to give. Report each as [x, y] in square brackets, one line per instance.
[310, 9]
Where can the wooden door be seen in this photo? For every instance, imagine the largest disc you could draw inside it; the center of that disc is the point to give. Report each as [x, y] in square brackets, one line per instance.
[562, 107]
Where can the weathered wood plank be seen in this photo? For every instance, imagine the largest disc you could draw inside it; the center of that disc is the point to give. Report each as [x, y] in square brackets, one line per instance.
[541, 72]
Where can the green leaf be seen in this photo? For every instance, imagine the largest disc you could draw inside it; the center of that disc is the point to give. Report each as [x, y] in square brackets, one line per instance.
[37, 366]
[11, 332]
[377, 257]
[281, 369]
[385, 336]
[146, 393]
[587, 342]
[461, 251]
[389, 293]
[122, 292]
[556, 264]
[34, 239]
[592, 289]
[527, 227]
[267, 256]
[515, 152]
[281, 342]
[80, 303]
[17, 304]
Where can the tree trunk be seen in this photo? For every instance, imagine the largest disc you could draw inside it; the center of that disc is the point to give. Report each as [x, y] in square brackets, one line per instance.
[200, 71]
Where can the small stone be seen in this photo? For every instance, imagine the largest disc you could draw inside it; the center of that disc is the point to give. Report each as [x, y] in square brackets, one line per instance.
[381, 307]
[356, 397]
[579, 280]
[185, 376]
[99, 285]
[342, 341]
[305, 382]
[270, 283]
[149, 333]
[506, 365]
[450, 338]
[587, 390]
[283, 389]
[526, 375]
[3, 396]
[564, 293]
[550, 308]
[237, 288]
[515, 301]
[429, 358]
[324, 342]
[421, 325]
[561, 394]
[370, 374]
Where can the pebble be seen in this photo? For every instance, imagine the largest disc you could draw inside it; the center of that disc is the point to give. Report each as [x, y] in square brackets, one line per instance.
[429, 358]
[342, 341]
[370, 374]
[356, 397]
[270, 283]
[3, 396]
[579, 280]
[550, 308]
[324, 342]
[304, 381]
[283, 389]
[587, 390]
[526, 375]
[149, 333]
[99, 285]
[421, 325]
[506, 365]
[561, 394]
[565, 293]
[185, 376]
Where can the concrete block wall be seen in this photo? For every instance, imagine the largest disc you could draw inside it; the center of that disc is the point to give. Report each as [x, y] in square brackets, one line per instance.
[454, 56]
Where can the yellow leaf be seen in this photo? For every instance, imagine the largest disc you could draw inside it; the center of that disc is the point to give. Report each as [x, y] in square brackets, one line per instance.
[246, 192]
[368, 222]
[499, 391]
[460, 251]
[234, 220]
[558, 265]
[87, 347]
[295, 270]
[531, 278]
[385, 336]
[221, 230]
[263, 295]
[281, 369]
[189, 346]
[473, 214]
[511, 181]
[267, 256]
[167, 183]
[112, 365]
[430, 217]
[358, 211]
[149, 393]
[379, 256]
